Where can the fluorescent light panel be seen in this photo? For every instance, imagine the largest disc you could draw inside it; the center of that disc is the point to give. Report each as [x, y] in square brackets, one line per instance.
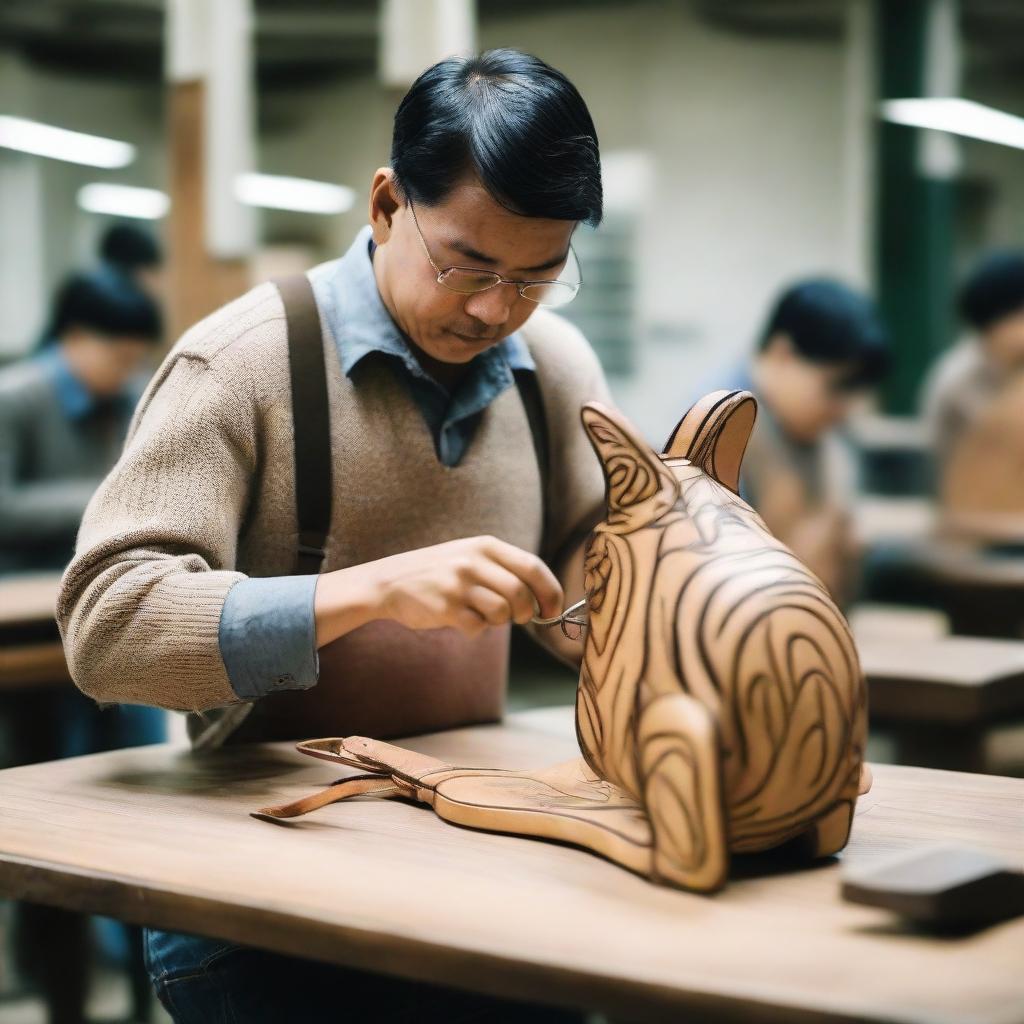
[123, 201]
[40, 139]
[960, 117]
[299, 194]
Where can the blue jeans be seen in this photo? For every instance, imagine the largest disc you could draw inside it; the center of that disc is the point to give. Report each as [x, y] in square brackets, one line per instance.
[212, 981]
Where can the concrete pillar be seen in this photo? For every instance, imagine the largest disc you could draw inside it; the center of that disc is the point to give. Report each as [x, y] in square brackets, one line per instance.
[417, 33]
[210, 100]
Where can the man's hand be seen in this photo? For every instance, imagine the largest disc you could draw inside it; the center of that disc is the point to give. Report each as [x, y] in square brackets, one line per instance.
[467, 584]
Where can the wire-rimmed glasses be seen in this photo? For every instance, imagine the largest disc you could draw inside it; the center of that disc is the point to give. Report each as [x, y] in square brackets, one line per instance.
[470, 280]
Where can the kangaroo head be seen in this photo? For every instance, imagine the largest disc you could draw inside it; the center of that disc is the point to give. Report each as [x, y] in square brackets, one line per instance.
[642, 488]
[645, 492]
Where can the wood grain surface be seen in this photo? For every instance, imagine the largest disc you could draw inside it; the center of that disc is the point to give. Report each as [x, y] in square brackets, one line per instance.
[163, 837]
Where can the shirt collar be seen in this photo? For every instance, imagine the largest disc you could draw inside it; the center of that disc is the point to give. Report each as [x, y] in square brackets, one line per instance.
[75, 399]
[360, 323]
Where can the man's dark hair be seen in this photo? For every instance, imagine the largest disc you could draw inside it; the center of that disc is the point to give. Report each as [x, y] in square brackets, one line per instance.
[829, 323]
[129, 248]
[510, 119]
[108, 303]
[993, 289]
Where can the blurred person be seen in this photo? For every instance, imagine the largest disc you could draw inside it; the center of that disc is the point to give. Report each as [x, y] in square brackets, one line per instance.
[134, 252]
[966, 384]
[64, 414]
[822, 349]
[450, 392]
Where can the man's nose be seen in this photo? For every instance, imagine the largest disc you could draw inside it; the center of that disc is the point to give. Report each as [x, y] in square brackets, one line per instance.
[493, 306]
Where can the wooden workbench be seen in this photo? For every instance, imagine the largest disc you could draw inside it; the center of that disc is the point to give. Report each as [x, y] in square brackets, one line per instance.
[163, 837]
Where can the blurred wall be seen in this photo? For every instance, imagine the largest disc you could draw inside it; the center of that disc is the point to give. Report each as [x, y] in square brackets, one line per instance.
[51, 235]
[746, 140]
[758, 148]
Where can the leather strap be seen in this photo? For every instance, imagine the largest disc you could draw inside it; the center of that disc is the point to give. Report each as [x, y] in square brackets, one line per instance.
[311, 421]
[529, 393]
[358, 785]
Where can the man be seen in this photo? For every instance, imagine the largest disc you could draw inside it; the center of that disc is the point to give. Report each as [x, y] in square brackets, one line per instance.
[64, 413]
[181, 593]
[63, 416]
[971, 376]
[135, 253]
[822, 348]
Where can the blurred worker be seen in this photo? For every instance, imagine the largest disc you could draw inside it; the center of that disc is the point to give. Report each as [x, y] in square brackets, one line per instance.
[134, 252]
[453, 398]
[822, 348]
[64, 413]
[965, 381]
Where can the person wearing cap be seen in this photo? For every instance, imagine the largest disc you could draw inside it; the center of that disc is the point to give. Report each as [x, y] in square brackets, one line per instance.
[134, 252]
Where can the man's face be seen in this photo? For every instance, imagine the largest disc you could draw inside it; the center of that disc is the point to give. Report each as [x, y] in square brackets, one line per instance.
[467, 229]
[1004, 341]
[808, 398]
[104, 364]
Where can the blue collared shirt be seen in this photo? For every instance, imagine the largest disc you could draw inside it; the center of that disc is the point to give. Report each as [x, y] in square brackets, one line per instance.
[75, 399]
[267, 626]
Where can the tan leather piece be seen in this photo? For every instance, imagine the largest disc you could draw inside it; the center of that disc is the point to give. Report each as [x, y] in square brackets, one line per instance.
[565, 802]
[721, 707]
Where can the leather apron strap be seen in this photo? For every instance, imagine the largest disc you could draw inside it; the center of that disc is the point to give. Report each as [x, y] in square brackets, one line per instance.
[529, 393]
[311, 420]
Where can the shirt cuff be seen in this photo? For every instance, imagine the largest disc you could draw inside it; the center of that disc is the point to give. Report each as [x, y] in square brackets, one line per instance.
[268, 635]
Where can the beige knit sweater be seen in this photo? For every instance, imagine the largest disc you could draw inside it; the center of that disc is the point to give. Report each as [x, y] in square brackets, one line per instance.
[203, 495]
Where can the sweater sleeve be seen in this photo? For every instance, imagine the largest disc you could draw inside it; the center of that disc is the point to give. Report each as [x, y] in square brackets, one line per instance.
[140, 604]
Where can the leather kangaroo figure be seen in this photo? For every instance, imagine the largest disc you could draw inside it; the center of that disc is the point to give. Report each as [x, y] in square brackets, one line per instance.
[720, 708]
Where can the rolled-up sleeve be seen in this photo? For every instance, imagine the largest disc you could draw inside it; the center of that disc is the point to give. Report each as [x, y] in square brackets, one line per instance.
[268, 635]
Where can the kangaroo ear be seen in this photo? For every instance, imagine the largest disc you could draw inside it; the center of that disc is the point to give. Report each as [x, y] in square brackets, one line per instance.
[638, 488]
[714, 434]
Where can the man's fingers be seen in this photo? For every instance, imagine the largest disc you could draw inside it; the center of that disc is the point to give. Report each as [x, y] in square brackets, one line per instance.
[532, 571]
[491, 607]
[516, 594]
[469, 621]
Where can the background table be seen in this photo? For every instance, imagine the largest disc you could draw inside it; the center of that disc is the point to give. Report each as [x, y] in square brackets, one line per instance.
[159, 836]
[940, 697]
[31, 654]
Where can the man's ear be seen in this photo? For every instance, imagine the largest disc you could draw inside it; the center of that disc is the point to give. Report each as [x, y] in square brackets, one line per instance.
[385, 199]
[638, 488]
[714, 434]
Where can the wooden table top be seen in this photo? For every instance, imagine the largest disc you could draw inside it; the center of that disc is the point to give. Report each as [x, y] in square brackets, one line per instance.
[162, 837]
[943, 679]
[878, 519]
[28, 598]
[31, 653]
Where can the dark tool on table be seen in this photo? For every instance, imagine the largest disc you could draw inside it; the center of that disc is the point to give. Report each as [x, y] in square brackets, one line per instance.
[943, 888]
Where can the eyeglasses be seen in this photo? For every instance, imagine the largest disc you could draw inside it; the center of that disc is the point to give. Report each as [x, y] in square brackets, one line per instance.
[469, 281]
